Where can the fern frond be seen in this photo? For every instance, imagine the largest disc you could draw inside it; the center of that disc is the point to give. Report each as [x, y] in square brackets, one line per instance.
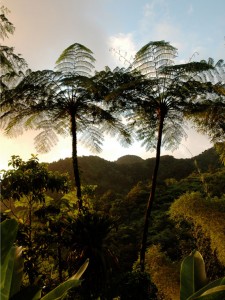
[76, 59]
[45, 140]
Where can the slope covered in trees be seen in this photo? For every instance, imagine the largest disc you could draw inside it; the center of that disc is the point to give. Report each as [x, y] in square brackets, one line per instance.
[115, 221]
[121, 175]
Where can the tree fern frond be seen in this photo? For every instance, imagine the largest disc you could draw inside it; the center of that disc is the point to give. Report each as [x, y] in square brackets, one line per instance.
[76, 47]
[155, 45]
[76, 59]
[153, 56]
[6, 26]
[92, 138]
[45, 140]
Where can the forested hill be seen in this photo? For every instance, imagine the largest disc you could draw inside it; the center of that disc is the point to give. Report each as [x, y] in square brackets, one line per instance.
[121, 175]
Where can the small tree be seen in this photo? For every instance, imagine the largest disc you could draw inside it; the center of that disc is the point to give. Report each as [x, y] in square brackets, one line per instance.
[90, 238]
[26, 185]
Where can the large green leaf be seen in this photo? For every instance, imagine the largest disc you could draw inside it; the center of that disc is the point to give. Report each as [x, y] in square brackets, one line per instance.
[17, 275]
[217, 284]
[8, 230]
[6, 273]
[192, 275]
[12, 270]
[81, 270]
[216, 293]
[61, 290]
[8, 254]
[64, 287]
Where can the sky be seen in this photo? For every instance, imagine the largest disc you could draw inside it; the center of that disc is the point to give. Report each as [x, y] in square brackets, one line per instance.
[44, 28]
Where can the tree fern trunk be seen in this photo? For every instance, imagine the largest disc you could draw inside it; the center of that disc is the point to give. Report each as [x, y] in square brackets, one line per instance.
[152, 194]
[59, 252]
[75, 161]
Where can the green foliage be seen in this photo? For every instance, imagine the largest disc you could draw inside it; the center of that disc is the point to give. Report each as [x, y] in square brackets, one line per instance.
[220, 148]
[12, 268]
[122, 175]
[90, 238]
[163, 273]
[136, 285]
[31, 179]
[24, 191]
[193, 275]
[208, 214]
[11, 260]
[193, 283]
[128, 206]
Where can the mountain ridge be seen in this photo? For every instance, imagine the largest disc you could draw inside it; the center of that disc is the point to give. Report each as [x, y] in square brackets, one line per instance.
[121, 175]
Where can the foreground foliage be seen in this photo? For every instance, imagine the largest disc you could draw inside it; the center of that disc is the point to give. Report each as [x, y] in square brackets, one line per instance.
[12, 270]
[194, 283]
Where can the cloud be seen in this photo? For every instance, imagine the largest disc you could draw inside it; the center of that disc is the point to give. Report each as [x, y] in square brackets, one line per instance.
[149, 10]
[167, 31]
[123, 48]
[153, 12]
[190, 10]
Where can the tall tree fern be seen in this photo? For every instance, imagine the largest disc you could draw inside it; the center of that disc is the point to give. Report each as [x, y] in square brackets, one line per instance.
[156, 106]
[64, 102]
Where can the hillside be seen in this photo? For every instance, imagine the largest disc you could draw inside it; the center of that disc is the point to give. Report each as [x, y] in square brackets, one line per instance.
[121, 175]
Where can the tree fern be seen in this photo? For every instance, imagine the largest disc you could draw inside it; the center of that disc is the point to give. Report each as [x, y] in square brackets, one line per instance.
[167, 90]
[65, 101]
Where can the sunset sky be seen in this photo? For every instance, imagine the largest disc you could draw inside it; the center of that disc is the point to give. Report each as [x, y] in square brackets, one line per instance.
[44, 28]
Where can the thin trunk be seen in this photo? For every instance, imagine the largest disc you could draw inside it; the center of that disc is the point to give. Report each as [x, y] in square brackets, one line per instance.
[75, 161]
[152, 194]
[60, 270]
[31, 259]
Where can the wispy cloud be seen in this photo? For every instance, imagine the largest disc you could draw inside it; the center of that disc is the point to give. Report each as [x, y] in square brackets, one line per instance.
[123, 48]
[190, 9]
[154, 11]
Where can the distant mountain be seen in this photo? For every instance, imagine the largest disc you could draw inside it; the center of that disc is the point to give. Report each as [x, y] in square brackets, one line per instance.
[121, 175]
[129, 159]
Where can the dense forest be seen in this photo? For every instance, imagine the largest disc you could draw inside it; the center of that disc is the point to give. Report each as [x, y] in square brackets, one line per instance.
[121, 175]
[86, 228]
[116, 194]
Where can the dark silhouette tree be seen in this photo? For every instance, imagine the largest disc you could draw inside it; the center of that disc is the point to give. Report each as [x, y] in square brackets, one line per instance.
[166, 102]
[62, 102]
[90, 238]
[156, 106]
